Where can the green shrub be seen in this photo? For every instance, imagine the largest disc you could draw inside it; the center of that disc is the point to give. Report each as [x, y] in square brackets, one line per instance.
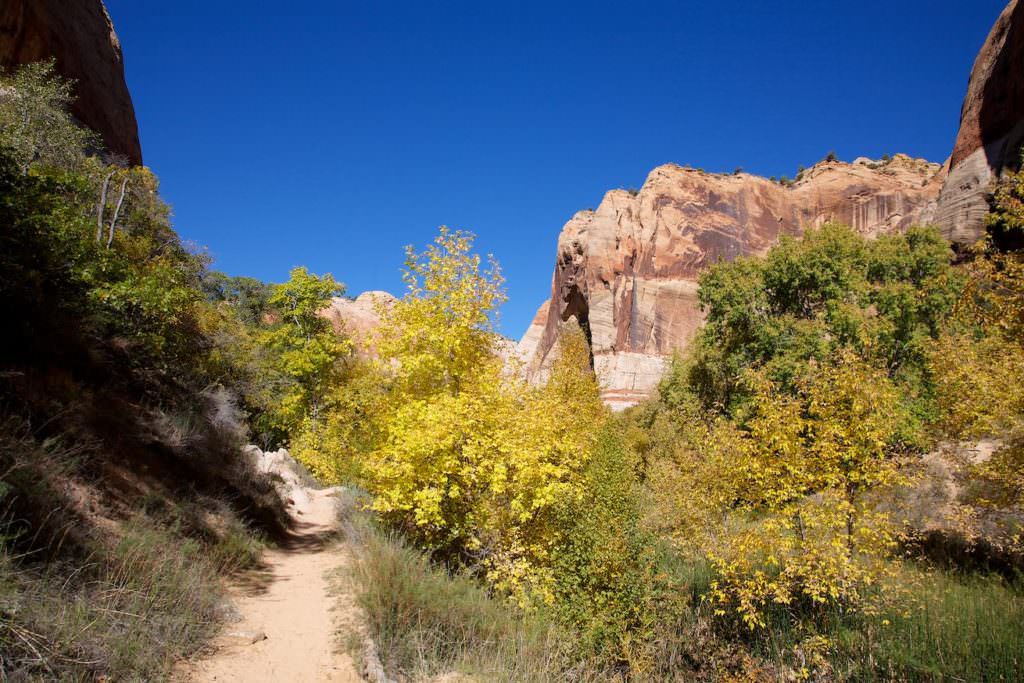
[608, 586]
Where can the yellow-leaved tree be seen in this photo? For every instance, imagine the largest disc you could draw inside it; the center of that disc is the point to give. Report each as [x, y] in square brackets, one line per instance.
[554, 430]
[334, 447]
[805, 531]
[469, 459]
[978, 365]
[438, 349]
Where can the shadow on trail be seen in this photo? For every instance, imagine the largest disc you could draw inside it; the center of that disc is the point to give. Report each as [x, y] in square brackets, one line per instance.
[307, 537]
[303, 537]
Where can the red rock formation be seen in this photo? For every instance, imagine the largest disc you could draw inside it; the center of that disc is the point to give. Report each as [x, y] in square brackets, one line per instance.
[79, 35]
[628, 270]
[534, 333]
[991, 128]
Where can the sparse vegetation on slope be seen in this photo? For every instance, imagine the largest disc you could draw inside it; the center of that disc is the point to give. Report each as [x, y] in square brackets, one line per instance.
[124, 492]
[93, 586]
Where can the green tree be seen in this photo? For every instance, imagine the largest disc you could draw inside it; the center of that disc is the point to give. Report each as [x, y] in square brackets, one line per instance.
[885, 299]
[607, 585]
[34, 120]
[247, 296]
[105, 233]
[306, 350]
[41, 257]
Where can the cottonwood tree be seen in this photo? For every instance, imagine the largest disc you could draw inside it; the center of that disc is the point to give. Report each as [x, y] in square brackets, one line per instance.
[804, 532]
[472, 462]
[306, 349]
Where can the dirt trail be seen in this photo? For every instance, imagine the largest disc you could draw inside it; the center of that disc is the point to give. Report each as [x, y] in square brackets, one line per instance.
[289, 601]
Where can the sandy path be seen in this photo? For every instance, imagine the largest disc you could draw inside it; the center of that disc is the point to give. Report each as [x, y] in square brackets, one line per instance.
[290, 601]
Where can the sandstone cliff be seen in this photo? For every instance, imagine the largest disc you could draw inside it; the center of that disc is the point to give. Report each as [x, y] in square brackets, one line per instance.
[991, 128]
[628, 270]
[79, 35]
[358, 317]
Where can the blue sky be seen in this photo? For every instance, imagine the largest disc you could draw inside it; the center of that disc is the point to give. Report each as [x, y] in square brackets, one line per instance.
[331, 134]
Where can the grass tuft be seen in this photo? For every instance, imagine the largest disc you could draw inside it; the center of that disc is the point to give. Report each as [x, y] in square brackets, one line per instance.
[127, 612]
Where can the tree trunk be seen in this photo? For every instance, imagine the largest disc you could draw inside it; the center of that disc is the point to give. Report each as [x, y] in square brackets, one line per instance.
[102, 206]
[117, 211]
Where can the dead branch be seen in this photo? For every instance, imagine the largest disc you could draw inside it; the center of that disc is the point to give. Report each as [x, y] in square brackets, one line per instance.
[117, 211]
[101, 206]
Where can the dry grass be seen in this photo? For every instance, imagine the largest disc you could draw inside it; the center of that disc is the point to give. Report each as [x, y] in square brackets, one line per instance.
[427, 622]
[96, 582]
[126, 613]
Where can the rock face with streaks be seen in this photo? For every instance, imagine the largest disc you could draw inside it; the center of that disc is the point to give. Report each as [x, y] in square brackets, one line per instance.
[628, 270]
[991, 129]
[79, 36]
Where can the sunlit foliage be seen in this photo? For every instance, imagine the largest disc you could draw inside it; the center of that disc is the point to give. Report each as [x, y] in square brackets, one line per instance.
[981, 393]
[831, 289]
[35, 124]
[1006, 217]
[95, 231]
[471, 462]
[306, 349]
[803, 528]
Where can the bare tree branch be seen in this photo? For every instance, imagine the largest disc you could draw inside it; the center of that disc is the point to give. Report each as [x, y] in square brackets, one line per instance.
[117, 210]
[101, 206]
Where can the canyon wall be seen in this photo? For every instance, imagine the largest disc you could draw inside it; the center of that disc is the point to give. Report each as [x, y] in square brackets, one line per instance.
[991, 129]
[628, 270]
[79, 35]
